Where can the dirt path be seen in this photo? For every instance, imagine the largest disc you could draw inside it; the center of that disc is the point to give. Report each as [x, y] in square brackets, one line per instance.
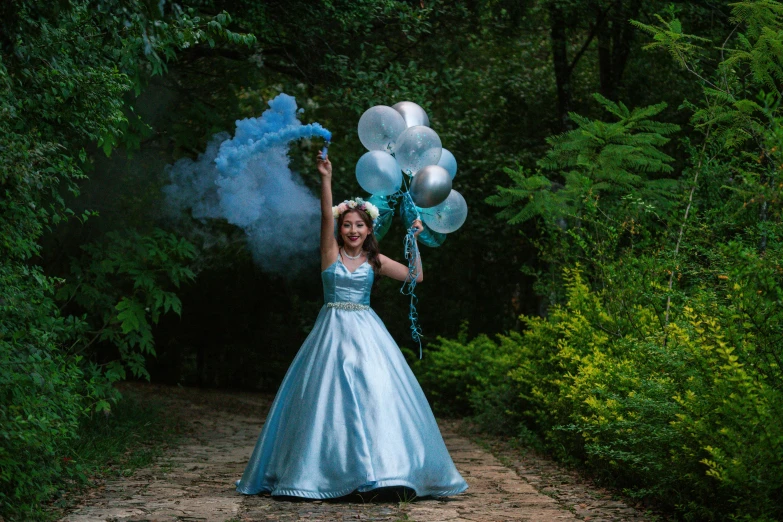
[194, 481]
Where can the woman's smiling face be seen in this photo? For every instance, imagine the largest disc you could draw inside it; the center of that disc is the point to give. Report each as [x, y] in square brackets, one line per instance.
[353, 230]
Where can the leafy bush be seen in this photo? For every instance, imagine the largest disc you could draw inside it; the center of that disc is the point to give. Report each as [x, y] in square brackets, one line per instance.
[455, 370]
[58, 368]
[124, 286]
[40, 391]
[678, 418]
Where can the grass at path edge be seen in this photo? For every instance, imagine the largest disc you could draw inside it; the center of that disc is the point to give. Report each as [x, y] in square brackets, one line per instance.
[512, 451]
[137, 431]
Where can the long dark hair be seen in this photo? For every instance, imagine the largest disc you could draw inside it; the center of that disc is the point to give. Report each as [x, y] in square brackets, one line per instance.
[370, 244]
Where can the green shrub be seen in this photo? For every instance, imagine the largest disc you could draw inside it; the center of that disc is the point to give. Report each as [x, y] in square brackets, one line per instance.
[51, 377]
[40, 403]
[453, 369]
[671, 415]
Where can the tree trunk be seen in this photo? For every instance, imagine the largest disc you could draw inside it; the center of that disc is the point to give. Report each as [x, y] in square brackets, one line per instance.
[561, 65]
[605, 60]
[614, 48]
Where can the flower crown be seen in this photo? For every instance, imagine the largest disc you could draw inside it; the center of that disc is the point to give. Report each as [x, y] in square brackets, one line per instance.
[356, 204]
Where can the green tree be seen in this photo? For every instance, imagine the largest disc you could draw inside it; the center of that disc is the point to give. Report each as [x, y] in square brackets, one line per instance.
[66, 71]
[602, 190]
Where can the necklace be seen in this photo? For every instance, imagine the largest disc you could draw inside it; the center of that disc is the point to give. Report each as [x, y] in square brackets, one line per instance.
[357, 256]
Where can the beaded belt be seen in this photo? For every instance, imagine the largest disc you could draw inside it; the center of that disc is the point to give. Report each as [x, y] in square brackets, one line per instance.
[353, 307]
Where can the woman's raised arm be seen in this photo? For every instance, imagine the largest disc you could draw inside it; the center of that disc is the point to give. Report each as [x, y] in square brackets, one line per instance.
[328, 242]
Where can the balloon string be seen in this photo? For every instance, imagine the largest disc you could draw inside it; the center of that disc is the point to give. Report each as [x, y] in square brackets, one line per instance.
[394, 199]
[407, 195]
[409, 286]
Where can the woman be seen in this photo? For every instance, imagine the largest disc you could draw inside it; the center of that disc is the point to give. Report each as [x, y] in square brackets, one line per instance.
[349, 415]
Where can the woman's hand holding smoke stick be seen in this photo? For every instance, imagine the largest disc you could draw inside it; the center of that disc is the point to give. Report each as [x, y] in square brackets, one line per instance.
[325, 169]
[324, 166]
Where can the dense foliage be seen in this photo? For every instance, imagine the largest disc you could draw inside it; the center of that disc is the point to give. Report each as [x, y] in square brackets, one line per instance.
[683, 417]
[658, 365]
[65, 70]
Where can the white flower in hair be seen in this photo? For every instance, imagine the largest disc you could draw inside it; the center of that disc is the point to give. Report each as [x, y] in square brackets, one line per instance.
[371, 210]
[352, 204]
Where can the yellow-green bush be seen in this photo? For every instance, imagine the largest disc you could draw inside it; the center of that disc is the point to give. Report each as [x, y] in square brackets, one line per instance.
[678, 414]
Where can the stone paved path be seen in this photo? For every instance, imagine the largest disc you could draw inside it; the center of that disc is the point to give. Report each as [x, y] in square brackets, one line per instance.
[193, 482]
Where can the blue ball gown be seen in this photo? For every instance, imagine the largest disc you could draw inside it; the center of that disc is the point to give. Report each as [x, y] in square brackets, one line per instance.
[349, 414]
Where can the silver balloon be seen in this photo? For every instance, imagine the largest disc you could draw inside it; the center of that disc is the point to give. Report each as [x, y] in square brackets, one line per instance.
[448, 216]
[379, 128]
[416, 148]
[448, 162]
[413, 113]
[378, 173]
[430, 186]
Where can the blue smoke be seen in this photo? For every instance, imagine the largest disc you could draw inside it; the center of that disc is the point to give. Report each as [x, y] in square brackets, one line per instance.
[246, 180]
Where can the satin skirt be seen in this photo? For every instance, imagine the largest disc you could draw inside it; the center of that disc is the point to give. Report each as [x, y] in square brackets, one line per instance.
[349, 416]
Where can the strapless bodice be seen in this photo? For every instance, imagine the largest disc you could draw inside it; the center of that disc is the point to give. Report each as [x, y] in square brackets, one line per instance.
[343, 286]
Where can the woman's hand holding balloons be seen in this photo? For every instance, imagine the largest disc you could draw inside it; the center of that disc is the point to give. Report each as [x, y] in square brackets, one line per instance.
[418, 227]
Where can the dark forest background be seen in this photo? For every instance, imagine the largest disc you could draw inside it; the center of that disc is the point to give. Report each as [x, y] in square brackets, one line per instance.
[614, 297]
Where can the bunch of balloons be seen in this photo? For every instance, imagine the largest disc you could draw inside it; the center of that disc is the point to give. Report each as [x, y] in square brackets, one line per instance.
[402, 146]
